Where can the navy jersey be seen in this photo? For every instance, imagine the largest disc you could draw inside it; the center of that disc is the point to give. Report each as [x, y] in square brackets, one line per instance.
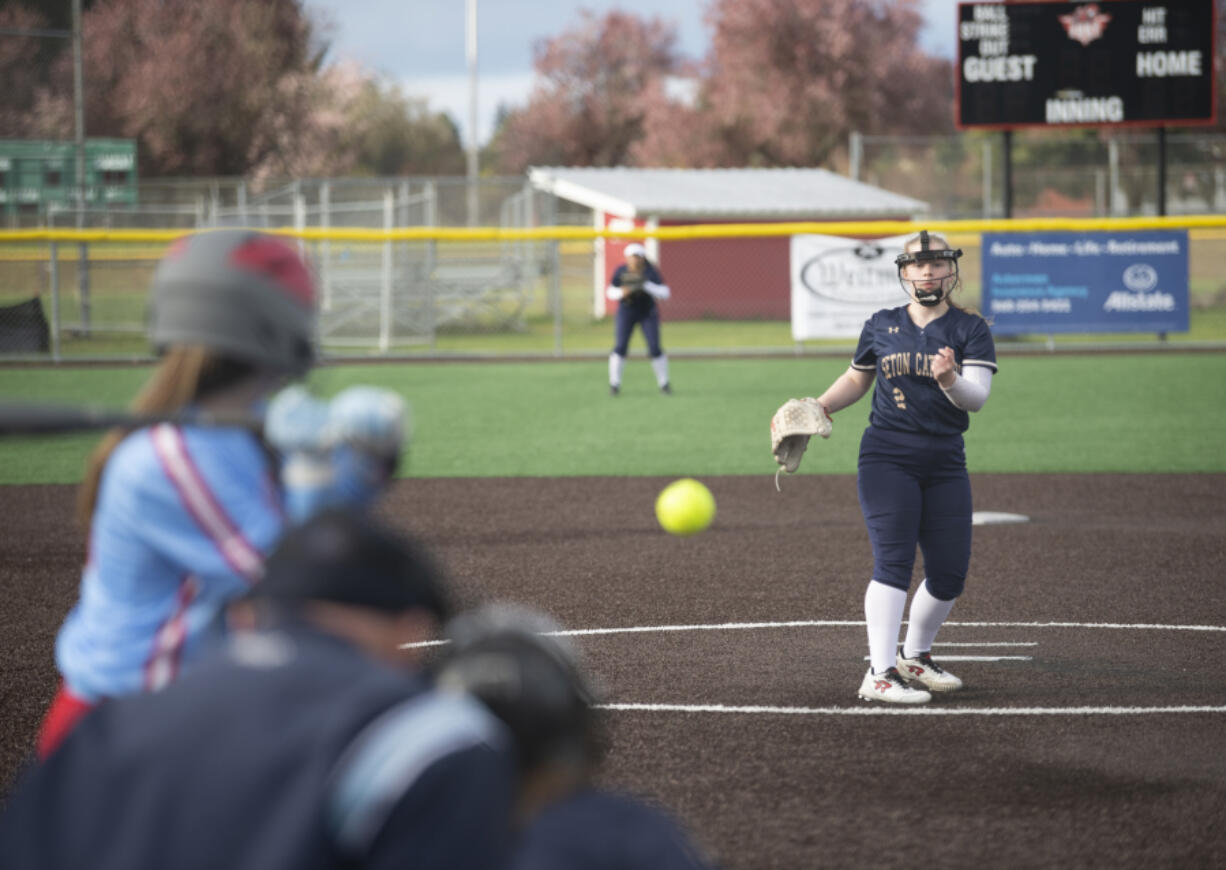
[598, 830]
[907, 397]
[288, 750]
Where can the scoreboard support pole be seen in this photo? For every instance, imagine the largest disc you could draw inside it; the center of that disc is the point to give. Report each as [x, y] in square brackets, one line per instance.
[1162, 186]
[1007, 193]
[1162, 171]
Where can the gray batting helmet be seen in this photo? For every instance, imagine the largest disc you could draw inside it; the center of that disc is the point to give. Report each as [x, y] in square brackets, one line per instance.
[512, 659]
[244, 294]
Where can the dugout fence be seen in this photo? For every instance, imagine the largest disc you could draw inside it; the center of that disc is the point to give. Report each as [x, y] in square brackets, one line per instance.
[524, 288]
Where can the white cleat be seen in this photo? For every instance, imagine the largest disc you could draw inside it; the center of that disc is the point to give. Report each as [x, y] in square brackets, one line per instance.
[922, 669]
[891, 688]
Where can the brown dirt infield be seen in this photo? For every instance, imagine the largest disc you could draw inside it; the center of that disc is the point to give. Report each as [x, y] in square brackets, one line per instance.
[1097, 740]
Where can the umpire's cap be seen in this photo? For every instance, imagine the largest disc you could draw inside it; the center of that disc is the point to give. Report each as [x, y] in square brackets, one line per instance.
[513, 659]
[347, 557]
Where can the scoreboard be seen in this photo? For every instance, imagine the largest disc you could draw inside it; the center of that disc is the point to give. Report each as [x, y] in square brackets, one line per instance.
[1115, 62]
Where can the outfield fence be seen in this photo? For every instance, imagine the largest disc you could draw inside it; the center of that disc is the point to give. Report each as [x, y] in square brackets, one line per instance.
[529, 287]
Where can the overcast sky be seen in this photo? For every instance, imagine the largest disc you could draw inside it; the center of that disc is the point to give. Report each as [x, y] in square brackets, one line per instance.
[420, 43]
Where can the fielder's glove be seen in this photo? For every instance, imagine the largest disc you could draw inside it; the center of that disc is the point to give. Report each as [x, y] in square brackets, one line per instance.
[791, 428]
[632, 285]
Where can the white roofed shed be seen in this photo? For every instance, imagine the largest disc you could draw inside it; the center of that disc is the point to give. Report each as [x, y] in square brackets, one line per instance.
[728, 277]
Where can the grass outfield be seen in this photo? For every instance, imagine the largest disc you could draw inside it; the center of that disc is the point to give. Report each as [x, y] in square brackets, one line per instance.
[1052, 413]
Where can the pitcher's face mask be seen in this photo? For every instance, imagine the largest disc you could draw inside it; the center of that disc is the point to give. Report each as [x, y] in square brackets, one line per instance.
[928, 275]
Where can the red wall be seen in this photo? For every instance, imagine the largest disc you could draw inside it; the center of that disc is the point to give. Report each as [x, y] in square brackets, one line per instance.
[725, 279]
[729, 279]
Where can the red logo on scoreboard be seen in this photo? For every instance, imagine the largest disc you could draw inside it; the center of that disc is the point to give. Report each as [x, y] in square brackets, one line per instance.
[1086, 23]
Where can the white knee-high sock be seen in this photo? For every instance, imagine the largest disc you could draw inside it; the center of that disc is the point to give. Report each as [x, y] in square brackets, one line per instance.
[660, 366]
[928, 614]
[883, 607]
[617, 362]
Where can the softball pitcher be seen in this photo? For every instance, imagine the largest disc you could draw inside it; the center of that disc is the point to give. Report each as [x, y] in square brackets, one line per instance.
[932, 362]
[179, 517]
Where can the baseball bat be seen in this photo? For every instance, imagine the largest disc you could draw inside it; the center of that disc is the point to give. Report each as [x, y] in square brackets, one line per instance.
[41, 418]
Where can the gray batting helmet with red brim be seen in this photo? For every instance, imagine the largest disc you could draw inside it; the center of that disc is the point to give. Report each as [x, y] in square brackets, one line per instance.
[242, 293]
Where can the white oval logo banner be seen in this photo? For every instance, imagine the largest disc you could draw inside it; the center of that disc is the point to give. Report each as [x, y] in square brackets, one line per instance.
[838, 283]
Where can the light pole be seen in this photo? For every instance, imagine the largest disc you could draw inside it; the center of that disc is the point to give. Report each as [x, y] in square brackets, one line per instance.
[78, 102]
[78, 111]
[471, 52]
[78, 107]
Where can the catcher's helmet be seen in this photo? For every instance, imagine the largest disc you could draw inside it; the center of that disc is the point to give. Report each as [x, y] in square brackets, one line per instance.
[928, 254]
[247, 295]
[512, 659]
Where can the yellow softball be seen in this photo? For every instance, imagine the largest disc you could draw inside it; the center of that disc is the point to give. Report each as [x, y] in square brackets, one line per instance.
[685, 507]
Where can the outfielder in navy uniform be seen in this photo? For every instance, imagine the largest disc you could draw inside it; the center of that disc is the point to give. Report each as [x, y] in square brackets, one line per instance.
[932, 363]
[637, 286]
[515, 661]
[306, 738]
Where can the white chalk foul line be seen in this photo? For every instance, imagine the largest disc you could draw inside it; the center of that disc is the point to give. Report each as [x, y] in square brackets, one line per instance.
[946, 658]
[722, 626]
[910, 711]
[1119, 626]
[849, 623]
[853, 623]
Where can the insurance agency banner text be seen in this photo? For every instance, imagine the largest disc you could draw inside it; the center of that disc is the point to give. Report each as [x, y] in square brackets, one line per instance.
[1086, 282]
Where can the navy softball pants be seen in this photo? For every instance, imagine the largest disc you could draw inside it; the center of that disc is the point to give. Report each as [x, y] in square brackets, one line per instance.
[627, 317]
[914, 489]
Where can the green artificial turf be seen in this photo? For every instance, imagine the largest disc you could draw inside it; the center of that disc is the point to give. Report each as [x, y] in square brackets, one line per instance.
[1161, 412]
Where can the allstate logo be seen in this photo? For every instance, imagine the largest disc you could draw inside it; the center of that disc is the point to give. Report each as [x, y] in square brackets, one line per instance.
[1140, 278]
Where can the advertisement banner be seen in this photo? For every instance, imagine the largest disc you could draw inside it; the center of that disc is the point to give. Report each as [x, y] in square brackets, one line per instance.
[838, 283]
[1086, 282]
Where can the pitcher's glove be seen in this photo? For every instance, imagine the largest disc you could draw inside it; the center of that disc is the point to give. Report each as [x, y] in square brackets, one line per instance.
[791, 428]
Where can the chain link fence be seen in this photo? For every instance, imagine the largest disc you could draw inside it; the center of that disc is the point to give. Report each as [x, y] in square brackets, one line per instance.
[376, 296]
[441, 297]
[1070, 174]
